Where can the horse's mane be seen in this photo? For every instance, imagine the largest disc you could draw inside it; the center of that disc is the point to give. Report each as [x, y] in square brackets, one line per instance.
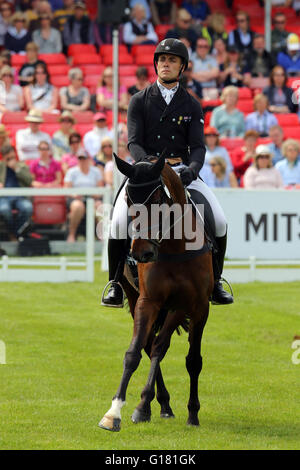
[174, 185]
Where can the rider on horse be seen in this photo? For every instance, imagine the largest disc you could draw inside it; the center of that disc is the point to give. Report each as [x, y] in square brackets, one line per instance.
[166, 116]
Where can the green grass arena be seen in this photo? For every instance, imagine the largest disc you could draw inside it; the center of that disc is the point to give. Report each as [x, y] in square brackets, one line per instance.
[64, 359]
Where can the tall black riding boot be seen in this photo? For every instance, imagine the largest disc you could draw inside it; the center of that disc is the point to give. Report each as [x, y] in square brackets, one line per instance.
[219, 295]
[116, 260]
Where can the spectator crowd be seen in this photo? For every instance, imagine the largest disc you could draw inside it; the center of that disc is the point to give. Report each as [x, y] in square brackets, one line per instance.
[56, 69]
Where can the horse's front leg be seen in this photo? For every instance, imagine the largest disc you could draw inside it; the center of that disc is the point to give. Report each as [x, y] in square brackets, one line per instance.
[159, 348]
[194, 367]
[144, 317]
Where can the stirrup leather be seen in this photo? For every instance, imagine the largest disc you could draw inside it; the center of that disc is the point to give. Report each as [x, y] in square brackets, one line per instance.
[104, 292]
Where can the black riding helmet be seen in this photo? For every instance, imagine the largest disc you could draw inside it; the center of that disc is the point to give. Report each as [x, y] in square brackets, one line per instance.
[174, 47]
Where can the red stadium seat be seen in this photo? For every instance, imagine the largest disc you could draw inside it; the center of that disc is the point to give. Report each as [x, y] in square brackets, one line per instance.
[143, 49]
[83, 128]
[246, 106]
[88, 59]
[83, 117]
[126, 70]
[245, 93]
[92, 69]
[18, 60]
[91, 82]
[13, 117]
[53, 58]
[162, 29]
[146, 59]
[50, 127]
[58, 69]
[288, 120]
[74, 49]
[108, 49]
[127, 81]
[49, 210]
[124, 59]
[231, 143]
[60, 80]
[51, 118]
[291, 132]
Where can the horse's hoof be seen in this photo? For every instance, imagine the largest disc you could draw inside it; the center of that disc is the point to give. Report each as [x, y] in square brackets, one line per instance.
[193, 422]
[167, 415]
[140, 416]
[109, 423]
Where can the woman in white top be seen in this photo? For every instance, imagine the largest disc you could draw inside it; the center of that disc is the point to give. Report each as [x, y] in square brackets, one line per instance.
[41, 94]
[262, 174]
[85, 175]
[14, 100]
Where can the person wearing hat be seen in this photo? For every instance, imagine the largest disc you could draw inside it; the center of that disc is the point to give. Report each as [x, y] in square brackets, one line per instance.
[17, 35]
[290, 59]
[60, 138]
[165, 117]
[28, 139]
[78, 28]
[84, 175]
[262, 174]
[92, 139]
[213, 149]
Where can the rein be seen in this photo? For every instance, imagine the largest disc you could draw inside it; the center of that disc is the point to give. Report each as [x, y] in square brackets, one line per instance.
[158, 240]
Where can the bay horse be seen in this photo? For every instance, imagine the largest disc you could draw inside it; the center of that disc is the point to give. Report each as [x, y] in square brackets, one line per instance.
[175, 285]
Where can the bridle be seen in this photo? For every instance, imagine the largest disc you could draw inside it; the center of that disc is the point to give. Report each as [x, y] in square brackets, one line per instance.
[157, 183]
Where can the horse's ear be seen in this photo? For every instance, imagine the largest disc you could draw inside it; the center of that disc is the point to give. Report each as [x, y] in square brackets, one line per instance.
[159, 164]
[124, 167]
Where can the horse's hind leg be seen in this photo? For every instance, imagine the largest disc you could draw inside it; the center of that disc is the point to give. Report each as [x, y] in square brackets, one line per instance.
[194, 367]
[162, 393]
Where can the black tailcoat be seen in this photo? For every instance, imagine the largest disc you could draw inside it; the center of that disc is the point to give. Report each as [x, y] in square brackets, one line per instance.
[178, 127]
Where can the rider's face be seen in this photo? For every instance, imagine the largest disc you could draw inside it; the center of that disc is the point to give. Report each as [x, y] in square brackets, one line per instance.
[168, 66]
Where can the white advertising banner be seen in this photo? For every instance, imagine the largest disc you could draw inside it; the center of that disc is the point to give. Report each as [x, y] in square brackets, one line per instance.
[264, 224]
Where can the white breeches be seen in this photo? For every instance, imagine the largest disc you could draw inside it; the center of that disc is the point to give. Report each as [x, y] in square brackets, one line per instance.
[120, 219]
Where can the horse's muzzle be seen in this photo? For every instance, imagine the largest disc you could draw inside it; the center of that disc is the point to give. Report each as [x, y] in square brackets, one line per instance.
[144, 253]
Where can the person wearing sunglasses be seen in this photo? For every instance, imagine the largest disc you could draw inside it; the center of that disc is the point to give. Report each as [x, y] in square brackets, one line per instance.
[262, 174]
[75, 97]
[279, 33]
[70, 159]
[17, 36]
[41, 94]
[45, 170]
[206, 69]
[14, 100]
[242, 36]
